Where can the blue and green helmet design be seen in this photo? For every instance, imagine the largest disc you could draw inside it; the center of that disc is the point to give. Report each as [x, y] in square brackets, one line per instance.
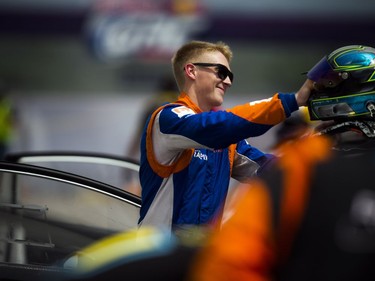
[344, 84]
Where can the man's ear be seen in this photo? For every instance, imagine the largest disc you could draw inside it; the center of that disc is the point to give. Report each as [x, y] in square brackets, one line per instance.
[190, 71]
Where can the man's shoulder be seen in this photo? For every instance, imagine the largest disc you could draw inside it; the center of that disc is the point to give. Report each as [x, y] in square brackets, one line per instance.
[176, 110]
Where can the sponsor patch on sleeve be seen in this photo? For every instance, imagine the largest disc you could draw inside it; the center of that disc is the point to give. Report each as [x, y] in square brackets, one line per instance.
[182, 111]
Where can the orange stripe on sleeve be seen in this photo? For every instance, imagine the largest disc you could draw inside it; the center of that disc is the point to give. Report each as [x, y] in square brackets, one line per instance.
[161, 170]
[268, 111]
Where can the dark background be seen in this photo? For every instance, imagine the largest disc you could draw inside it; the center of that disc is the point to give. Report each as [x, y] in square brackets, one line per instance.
[43, 46]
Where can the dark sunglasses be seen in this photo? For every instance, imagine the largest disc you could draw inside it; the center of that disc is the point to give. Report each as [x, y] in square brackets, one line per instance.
[222, 71]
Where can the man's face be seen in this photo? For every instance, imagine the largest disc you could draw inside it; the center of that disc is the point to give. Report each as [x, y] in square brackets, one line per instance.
[210, 88]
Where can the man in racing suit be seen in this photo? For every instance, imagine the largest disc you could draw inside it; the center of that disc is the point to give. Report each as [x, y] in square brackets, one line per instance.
[189, 151]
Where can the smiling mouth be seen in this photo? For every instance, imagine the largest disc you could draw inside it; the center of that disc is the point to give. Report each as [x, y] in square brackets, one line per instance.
[221, 89]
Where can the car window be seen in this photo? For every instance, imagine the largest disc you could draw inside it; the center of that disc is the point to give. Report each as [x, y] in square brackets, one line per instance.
[45, 216]
[120, 172]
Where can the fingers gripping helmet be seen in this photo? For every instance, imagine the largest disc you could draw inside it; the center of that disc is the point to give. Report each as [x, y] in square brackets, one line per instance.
[344, 85]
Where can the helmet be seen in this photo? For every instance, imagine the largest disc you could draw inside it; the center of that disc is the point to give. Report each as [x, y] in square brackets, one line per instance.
[344, 85]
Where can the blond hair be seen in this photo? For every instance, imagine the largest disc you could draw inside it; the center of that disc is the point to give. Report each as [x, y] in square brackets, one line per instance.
[193, 50]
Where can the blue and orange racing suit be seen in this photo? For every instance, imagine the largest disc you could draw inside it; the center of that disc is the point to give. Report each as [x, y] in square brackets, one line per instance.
[188, 157]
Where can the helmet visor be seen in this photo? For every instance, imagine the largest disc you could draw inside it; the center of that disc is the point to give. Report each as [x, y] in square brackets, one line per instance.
[323, 75]
[321, 69]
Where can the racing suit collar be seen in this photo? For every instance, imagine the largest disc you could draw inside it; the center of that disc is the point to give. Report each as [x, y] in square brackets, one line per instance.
[185, 100]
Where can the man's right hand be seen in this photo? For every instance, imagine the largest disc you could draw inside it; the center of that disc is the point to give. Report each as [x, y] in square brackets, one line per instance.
[304, 92]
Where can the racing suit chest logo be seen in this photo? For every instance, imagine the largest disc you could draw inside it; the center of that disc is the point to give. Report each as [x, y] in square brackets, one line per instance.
[200, 155]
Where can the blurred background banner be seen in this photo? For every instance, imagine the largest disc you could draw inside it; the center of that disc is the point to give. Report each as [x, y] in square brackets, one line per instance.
[97, 62]
[96, 46]
[122, 31]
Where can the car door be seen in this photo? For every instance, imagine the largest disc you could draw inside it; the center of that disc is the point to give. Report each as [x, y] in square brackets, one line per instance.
[46, 215]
